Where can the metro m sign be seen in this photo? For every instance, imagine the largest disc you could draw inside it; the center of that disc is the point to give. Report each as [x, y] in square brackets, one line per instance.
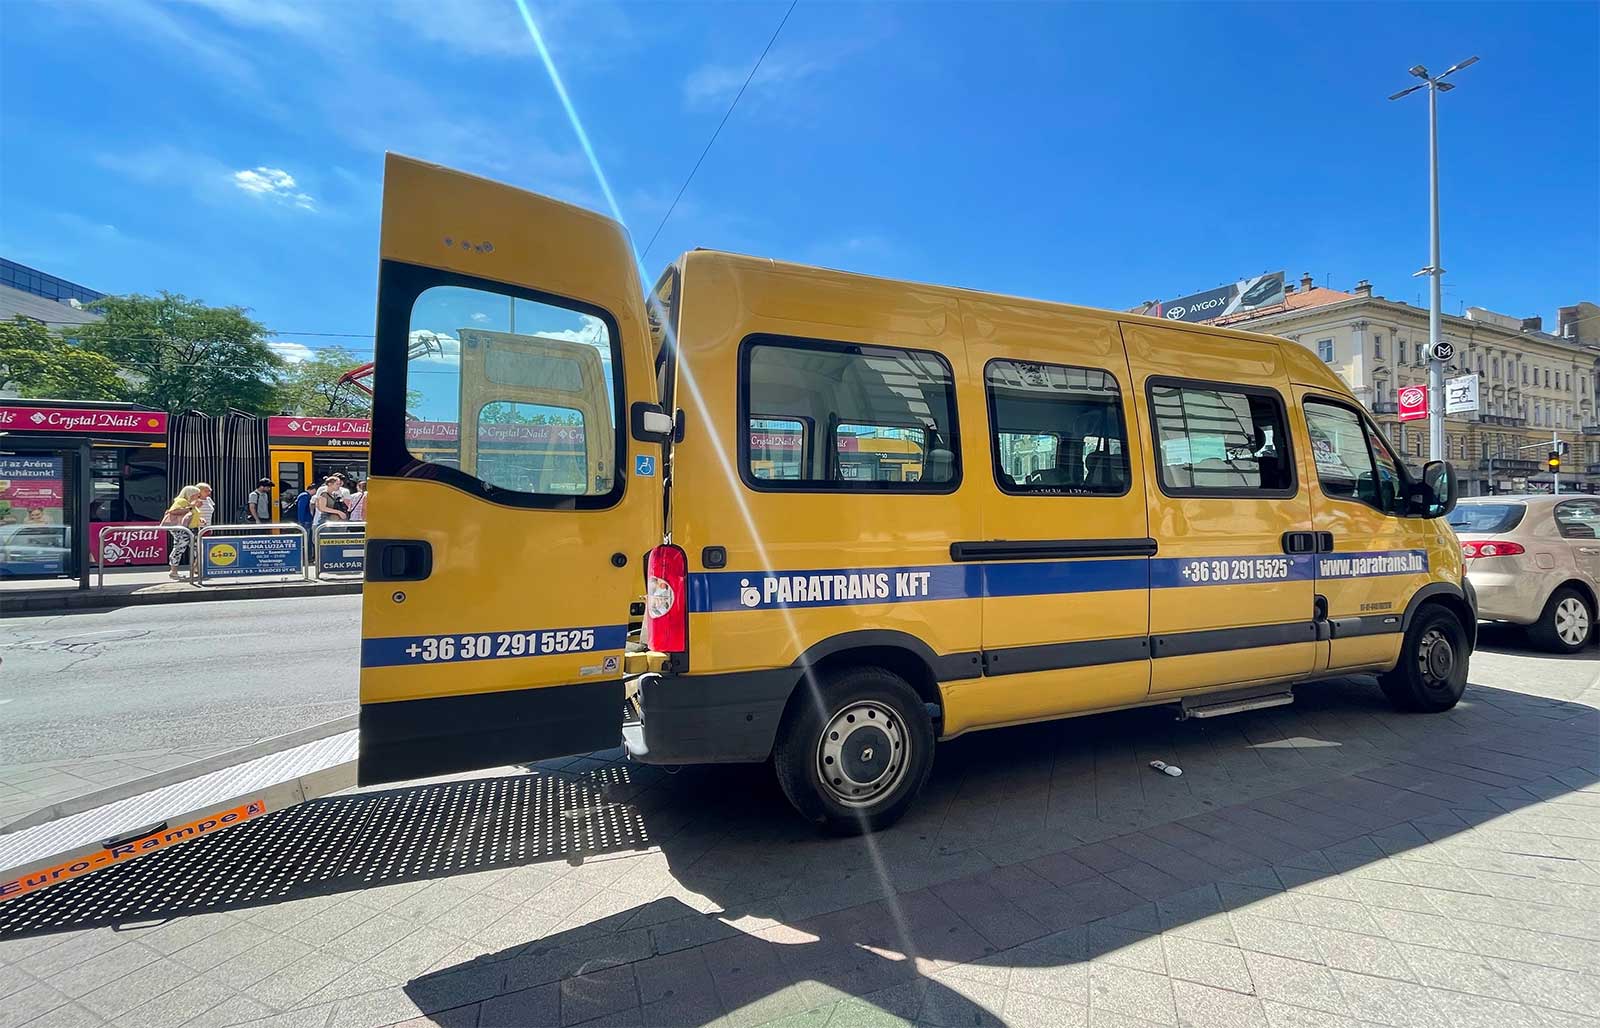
[1413, 403]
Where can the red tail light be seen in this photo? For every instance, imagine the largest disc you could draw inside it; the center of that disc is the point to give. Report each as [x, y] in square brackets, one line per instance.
[666, 600]
[1491, 549]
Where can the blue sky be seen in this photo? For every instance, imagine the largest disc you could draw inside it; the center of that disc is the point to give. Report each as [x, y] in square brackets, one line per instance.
[1096, 154]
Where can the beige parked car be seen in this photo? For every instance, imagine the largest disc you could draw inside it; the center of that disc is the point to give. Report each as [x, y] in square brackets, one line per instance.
[1534, 561]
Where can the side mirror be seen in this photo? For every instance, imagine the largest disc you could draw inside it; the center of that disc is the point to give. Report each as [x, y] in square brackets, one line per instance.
[1440, 489]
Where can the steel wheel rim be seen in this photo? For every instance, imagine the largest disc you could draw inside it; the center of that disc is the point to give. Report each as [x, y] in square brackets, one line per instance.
[1572, 621]
[1436, 657]
[862, 754]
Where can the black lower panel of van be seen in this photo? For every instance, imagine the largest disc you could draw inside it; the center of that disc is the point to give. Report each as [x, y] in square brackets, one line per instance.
[441, 735]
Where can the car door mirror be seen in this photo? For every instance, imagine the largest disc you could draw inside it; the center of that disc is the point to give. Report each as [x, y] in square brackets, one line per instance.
[1440, 489]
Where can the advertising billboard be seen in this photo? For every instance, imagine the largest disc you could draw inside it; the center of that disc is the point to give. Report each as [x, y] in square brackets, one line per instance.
[251, 556]
[1461, 395]
[33, 537]
[1240, 297]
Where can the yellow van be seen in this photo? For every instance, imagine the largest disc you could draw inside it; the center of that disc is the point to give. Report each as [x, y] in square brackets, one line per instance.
[863, 515]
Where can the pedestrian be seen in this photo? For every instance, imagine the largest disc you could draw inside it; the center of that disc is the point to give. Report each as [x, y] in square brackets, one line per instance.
[302, 509]
[183, 513]
[330, 503]
[204, 504]
[358, 506]
[258, 505]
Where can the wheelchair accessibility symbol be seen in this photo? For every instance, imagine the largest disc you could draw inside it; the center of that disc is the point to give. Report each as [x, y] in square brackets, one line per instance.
[644, 466]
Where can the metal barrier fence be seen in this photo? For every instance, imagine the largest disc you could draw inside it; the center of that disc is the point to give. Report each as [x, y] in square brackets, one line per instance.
[131, 531]
[245, 556]
[328, 538]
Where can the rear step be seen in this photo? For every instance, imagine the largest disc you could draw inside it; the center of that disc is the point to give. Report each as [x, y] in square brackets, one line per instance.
[1218, 704]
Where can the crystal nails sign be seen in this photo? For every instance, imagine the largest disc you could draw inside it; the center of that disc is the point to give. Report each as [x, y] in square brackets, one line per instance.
[146, 424]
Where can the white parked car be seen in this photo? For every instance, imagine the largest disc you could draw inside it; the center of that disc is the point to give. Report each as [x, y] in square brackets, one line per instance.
[1534, 561]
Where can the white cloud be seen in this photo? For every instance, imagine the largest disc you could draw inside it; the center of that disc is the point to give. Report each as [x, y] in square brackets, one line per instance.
[294, 353]
[274, 183]
[715, 84]
[480, 317]
[592, 332]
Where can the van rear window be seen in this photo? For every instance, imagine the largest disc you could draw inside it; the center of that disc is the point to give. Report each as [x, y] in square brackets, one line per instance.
[835, 416]
[1486, 517]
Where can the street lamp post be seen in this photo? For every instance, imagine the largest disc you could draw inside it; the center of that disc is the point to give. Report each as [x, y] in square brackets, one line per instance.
[1434, 85]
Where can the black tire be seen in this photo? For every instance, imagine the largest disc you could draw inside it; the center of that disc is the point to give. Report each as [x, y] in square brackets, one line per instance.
[1566, 609]
[878, 726]
[1432, 671]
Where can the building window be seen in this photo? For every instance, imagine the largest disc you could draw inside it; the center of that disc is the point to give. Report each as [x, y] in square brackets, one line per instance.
[1377, 346]
[1221, 440]
[1325, 350]
[1547, 378]
[1057, 430]
[1524, 374]
[1400, 349]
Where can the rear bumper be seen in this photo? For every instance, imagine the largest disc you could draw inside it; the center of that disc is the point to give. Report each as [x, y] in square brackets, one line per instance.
[707, 719]
[1515, 594]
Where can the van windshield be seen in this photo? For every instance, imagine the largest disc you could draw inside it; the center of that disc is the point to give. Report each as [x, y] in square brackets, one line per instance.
[1487, 517]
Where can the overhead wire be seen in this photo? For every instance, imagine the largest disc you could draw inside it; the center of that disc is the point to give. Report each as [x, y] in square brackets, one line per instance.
[717, 131]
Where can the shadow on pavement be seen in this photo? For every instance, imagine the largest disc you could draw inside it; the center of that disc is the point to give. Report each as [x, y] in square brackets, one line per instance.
[1034, 849]
[1513, 641]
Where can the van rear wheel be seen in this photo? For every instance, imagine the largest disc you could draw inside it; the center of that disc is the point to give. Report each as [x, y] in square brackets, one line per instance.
[853, 757]
[1432, 672]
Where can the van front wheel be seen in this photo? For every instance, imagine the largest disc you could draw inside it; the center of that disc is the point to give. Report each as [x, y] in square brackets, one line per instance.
[1432, 672]
[853, 757]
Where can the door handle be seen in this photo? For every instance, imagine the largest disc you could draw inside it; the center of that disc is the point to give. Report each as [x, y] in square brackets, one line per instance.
[398, 560]
[1324, 542]
[1299, 542]
[1589, 549]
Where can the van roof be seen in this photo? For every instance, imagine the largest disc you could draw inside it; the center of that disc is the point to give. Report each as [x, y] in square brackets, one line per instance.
[1304, 367]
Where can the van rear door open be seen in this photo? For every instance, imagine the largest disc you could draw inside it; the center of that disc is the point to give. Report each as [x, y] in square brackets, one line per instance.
[510, 506]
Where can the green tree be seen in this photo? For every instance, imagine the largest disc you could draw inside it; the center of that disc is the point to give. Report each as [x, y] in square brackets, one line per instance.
[184, 355]
[311, 387]
[39, 364]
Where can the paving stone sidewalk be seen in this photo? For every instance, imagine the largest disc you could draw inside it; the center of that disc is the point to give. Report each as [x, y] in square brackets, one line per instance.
[1327, 864]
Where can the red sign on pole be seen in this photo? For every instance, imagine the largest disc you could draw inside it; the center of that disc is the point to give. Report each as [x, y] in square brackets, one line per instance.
[1413, 403]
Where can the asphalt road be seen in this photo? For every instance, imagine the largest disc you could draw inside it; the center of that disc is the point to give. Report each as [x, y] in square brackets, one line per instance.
[185, 677]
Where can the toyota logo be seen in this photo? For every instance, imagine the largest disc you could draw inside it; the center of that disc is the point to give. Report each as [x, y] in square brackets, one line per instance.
[1175, 313]
[1411, 397]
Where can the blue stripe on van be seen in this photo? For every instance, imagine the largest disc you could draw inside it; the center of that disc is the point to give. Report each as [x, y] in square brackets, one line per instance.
[712, 591]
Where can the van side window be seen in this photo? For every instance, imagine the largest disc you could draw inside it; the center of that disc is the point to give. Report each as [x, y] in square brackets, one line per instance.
[1056, 430]
[1353, 462]
[777, 448]
[517, 393]
[1219, 440]
[839, 416]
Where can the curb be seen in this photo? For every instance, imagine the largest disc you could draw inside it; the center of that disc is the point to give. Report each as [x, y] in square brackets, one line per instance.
[181, 773]
[61, 602]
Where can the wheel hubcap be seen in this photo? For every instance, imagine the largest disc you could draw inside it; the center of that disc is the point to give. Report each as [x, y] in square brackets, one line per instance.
[1436, 657]
[862, 754]
[1572, 621]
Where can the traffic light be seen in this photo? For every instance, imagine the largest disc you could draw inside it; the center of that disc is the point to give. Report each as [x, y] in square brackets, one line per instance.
[1555, 460]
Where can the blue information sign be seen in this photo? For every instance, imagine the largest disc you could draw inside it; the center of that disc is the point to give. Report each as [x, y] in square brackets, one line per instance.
[251, 556]
[341, 557]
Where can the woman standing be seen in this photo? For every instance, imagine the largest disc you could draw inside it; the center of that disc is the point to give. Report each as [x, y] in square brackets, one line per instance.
[182, 511]
[358, 506]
